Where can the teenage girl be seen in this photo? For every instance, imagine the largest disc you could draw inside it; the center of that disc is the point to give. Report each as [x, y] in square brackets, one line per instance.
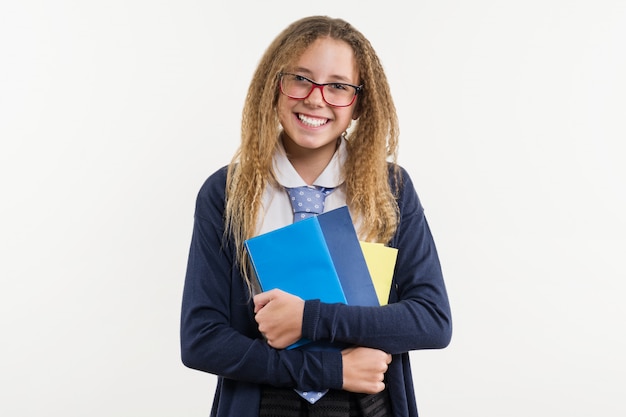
[318, 113]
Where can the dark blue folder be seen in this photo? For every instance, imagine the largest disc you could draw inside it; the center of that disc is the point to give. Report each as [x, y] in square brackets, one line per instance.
[345, 250]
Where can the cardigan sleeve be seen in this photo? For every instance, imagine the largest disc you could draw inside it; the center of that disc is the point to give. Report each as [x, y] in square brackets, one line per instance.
[418, 314]
[218, 333]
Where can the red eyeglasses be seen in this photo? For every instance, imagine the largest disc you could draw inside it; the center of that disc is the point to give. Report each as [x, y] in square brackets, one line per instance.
[334, 94]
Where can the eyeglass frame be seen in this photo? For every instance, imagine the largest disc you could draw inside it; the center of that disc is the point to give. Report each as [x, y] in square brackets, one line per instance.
[314, 85]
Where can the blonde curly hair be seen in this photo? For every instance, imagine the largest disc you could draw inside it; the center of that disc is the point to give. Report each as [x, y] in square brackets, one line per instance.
[371, 144]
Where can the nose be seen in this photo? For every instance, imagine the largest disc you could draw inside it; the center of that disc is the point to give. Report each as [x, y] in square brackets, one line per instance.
[316, 98]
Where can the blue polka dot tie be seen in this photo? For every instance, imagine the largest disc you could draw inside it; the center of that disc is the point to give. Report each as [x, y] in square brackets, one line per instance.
[307, 201]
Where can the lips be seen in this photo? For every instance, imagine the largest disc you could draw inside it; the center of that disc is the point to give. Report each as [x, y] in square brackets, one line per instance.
[312, 121]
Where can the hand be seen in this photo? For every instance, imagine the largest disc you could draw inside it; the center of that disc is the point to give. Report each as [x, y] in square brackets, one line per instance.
[364, 369]
[279, 316]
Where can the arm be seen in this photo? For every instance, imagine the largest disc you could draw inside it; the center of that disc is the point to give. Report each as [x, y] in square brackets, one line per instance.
[218, 331]
[279, 315]
[418, 316]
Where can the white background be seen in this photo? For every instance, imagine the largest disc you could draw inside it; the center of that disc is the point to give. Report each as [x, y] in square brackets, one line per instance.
[113, 113]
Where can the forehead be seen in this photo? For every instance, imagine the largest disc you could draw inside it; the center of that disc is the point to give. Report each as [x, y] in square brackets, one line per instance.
[327, 57]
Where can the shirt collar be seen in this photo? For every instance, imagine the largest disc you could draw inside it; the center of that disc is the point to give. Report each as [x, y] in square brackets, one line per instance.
[331, 177]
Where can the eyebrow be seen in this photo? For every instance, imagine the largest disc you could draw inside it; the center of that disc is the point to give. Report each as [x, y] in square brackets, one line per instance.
[335, 78]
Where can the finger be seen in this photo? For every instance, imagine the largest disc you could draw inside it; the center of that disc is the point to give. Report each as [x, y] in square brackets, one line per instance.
[260, 301]
[375, 388]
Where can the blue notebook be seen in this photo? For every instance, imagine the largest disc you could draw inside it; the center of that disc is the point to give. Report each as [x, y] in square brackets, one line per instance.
[296, 259]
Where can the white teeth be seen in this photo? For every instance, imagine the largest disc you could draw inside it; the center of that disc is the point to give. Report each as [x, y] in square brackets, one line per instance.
[313, 122]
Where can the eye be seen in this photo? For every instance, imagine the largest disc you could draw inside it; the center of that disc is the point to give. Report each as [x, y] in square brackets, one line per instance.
[339, 86]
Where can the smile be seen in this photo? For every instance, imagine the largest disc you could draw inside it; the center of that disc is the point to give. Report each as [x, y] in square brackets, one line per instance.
[312, 121]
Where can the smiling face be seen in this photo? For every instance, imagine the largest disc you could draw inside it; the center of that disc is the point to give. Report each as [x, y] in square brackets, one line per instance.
[311, 126]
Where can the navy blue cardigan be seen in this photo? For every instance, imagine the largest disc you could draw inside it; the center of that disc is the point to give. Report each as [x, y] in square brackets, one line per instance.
[219, 334]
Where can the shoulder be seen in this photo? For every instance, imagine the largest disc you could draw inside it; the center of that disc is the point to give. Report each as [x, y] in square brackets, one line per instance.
[399, 179]
[212, 192]
[402, 186]
[398, 175]
[216, 181]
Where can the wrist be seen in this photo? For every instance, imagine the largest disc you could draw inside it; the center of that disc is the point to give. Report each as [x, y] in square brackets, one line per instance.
[310, 319]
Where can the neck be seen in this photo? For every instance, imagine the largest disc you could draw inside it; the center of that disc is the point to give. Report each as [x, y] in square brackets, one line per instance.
[309, 170]
[310, 164]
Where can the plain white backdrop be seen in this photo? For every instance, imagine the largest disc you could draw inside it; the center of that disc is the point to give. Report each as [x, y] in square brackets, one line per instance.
[112, 114]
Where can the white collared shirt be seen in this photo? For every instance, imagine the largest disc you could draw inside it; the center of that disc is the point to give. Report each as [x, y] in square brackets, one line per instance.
[276, 208]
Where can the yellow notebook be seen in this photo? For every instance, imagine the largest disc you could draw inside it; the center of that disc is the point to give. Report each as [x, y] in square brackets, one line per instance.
[381, 262]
